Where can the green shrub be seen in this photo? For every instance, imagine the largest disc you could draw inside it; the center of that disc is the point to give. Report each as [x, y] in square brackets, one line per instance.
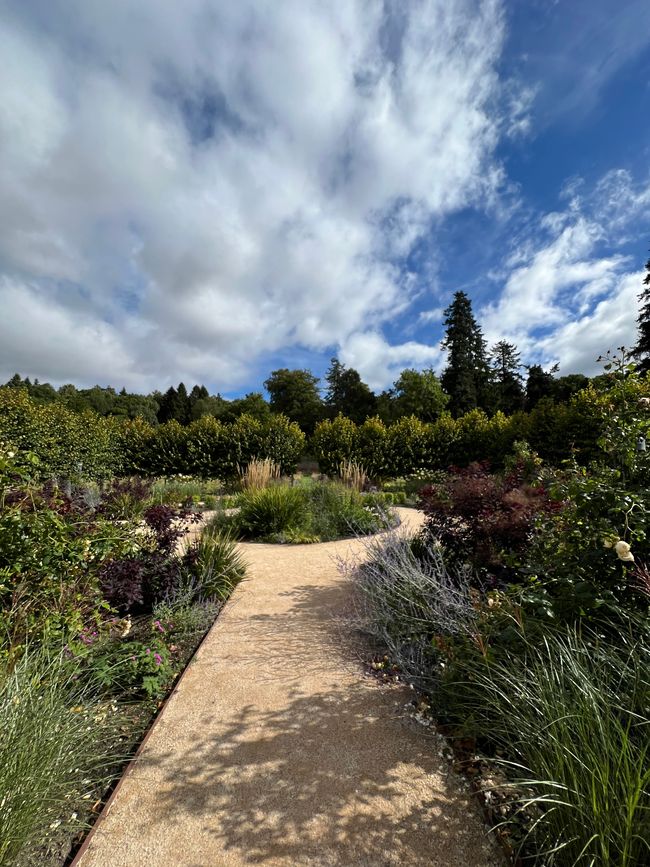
[371, 448]
[309, 512]
[270, 511]
[333, 442]
[335, 511]
[50, 558]
[219, 566]
[68, 444]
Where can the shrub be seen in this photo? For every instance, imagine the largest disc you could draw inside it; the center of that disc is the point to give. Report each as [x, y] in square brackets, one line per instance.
[270, 511]
[68, 444]
[155, 570]
[335, 511]
[484, 518]
[283, 442]
[333, 442]
[52, 549]
[125, 499]
[407, 445]
[407, 598]
[371, 448]
[573, 572]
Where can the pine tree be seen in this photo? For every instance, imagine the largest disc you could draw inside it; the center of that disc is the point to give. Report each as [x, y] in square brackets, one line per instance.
[466, 378]
[506, 377]
[348, 394]
[174, 404]
[642, 349]
[540, 384]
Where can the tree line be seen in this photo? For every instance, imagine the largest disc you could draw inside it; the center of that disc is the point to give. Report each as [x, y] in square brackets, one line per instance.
[475, 378]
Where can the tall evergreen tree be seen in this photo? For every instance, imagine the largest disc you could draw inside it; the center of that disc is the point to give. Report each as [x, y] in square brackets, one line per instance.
[348, 394]
[506, 377]
[642, 349]
[174, 405]
[540, 384]
[467, 375]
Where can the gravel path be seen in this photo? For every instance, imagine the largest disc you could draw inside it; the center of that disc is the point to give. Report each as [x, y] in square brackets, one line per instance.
[276, 749]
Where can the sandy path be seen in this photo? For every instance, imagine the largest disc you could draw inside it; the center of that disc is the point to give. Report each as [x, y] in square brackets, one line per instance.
[277, 750]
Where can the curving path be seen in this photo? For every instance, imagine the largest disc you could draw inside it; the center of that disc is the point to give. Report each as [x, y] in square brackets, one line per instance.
[276, 749]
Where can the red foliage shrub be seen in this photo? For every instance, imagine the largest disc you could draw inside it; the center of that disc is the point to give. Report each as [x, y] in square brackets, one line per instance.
[483, 518]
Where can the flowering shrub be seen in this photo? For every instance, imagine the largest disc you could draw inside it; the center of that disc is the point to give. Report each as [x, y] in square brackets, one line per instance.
[581, 561]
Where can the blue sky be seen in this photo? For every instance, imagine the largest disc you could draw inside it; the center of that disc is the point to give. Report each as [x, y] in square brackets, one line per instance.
[206, 191]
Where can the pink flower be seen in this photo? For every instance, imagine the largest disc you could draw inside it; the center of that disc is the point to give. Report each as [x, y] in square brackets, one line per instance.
[159, 626]
[158, 658]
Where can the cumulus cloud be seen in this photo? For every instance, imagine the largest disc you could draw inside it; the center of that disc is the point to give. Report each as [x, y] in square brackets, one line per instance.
[187, 186]
[380, 363]
[568, 294]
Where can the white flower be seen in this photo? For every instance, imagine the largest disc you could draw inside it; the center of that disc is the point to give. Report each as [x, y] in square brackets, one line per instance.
[608, 543]
[11, 454]
[623, 550]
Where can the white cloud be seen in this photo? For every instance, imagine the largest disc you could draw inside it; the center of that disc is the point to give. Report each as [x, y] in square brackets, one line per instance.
[577, 344]
[568, 294]
[379, 363]
[195, 184]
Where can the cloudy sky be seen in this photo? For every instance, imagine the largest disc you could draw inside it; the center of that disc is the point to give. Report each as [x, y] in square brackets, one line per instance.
[207, 190]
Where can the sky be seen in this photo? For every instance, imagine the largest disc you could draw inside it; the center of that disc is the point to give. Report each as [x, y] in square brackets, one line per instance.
[206, 191]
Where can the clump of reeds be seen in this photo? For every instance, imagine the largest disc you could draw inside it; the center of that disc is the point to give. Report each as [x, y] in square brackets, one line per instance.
[259, 474]
[353, 475]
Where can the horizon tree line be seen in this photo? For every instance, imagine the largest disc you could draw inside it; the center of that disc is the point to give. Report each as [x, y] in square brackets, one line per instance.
[475, 377]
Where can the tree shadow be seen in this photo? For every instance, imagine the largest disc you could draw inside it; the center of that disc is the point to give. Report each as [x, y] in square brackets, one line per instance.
[329, 776]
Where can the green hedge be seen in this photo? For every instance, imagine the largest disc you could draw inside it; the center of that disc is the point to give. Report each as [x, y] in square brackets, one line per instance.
[555, 431]
[67, 443]
[70, 444]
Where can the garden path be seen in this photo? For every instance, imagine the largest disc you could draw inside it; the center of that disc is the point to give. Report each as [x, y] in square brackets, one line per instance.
[276, 749]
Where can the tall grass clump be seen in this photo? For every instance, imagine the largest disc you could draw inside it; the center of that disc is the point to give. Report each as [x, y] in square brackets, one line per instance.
[353, 475]
[52, 742]
[219, 565]
[572, 715]
[270, 511]
[259, 474]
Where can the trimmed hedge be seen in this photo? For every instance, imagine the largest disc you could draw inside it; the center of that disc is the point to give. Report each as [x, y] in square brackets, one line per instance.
[69, 444]
[555, 431]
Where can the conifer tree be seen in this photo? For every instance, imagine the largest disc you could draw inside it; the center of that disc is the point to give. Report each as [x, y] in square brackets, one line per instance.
[348, 394]
[506, 377]
[642, 349]
[466, 378]
[540, 384]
